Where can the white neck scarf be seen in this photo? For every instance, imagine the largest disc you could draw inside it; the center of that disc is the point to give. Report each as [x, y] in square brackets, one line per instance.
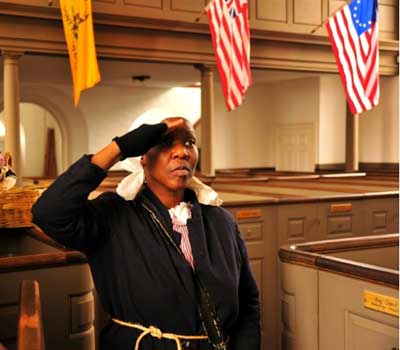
[129, 187]
[180, 213]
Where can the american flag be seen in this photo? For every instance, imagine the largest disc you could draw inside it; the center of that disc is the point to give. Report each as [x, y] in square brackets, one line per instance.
[228, 20]
[353, 32]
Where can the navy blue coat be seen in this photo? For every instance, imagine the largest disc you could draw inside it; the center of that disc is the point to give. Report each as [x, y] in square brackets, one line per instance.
[139, 276]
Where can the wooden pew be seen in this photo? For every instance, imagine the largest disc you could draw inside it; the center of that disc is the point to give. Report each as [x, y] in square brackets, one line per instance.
[30, 327]
[340, 294]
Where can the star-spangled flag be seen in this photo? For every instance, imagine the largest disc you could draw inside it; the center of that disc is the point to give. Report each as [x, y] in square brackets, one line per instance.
[353, 32]
[230, 33]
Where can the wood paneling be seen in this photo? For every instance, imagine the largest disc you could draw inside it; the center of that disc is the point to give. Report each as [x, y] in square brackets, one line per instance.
[158, 32]
[364, 333]
[307, 12]
[82, 312]
[388, 19]
[299, 297]
[283, 16]
[335, 5]
[297, 223]
[8, 320]
[328, 312]
[288, 307]
[261, 243]
[105, 1]
[158, 4]
[344, 321]
[302, 222]
[381, 216]
[188, 6]
[56, 285]
[336, 224]
[272, 11]
[252, 231]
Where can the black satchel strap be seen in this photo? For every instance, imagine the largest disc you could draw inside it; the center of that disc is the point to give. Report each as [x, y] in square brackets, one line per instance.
[211, 323]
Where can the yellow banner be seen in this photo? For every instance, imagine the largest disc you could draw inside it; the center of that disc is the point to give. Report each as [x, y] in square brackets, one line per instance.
[78, 29]
[381, 303]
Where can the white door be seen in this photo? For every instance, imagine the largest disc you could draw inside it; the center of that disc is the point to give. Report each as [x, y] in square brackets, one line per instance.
[295, 147]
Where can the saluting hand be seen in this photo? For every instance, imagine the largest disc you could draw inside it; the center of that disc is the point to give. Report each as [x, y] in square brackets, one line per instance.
[135, 143]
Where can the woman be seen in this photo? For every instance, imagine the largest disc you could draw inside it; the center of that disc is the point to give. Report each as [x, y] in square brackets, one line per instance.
[169, 264]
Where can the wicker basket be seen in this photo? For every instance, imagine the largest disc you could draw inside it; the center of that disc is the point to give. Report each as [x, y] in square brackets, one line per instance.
[15, 206]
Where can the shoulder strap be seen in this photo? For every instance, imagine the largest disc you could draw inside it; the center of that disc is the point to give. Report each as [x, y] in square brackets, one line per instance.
[205, 307]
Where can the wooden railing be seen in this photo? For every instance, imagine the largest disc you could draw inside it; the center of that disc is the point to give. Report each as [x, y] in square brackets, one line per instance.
[30, 327]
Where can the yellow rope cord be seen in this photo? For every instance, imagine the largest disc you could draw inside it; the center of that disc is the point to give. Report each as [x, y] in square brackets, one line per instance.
[156, 333]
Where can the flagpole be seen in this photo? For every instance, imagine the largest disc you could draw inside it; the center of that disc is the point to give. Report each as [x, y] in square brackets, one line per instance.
[327, 19]
[202, 12]
[199, 16]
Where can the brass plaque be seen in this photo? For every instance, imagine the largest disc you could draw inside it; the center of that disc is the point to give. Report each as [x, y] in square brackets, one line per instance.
[381, 303]
[248, 214]
[341, 208]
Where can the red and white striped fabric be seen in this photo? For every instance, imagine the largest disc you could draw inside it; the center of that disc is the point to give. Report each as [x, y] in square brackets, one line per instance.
[179, 216]
[353, 32]
[228, 20]
[185, 242]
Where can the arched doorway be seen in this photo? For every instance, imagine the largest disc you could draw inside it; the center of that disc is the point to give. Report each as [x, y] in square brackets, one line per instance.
[35, 123]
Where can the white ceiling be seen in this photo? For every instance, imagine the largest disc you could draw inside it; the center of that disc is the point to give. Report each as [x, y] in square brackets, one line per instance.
[56, 70]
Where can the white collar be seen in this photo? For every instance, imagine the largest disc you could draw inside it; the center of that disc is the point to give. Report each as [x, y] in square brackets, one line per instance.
[181, 212]
[129, 187]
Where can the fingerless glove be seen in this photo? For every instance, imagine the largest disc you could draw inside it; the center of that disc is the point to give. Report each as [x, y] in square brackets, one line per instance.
[140, 140]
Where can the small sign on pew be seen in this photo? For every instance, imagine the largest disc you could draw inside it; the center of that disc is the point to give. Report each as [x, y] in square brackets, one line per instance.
[381, 303]
[341, 208]
[248, 214]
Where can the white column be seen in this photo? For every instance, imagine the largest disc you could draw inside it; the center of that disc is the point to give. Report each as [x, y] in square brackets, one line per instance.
[207, 121]
[11, 109]
[352, 141]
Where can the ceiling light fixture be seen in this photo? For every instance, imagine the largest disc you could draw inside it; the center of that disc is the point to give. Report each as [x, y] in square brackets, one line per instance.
[141, 78]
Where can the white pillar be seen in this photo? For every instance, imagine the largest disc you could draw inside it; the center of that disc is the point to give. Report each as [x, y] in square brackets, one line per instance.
[352, 141]
[207, 121]
[11, 109]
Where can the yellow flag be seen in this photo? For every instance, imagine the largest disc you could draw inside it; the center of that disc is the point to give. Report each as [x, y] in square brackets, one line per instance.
[78, 29]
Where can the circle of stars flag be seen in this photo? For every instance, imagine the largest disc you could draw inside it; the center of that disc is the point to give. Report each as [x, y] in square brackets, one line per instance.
[353, 32]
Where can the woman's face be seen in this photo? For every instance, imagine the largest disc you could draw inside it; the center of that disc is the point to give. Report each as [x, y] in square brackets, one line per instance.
[170, 165]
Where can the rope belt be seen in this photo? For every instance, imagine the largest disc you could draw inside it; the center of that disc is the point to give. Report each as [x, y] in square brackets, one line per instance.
[156, 333]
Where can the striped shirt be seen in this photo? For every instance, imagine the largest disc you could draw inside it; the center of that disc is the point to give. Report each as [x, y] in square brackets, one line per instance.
[179, 216]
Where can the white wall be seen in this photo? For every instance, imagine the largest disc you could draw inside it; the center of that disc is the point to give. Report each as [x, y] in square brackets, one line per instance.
[243, 136]
[59, 103]
[379, 128]
[35, 121]
[111, 111]
[295, 102]
[332, 121]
